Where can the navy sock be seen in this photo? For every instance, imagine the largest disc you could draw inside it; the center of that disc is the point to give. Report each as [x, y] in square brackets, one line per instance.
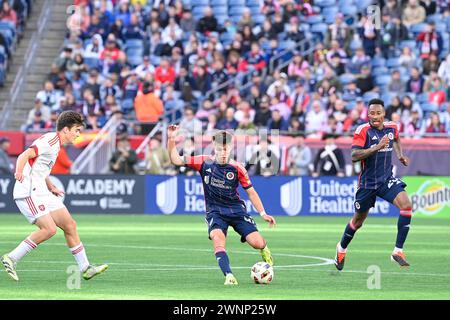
[348, 235]
[402, 230]
[224, 263]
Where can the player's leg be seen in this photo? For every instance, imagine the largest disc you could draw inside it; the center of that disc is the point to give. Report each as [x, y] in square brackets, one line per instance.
[218, 238]
[47, 229]
[393, 191]
[257, 241]
[65, 222]
[402, 202]
[364, 200]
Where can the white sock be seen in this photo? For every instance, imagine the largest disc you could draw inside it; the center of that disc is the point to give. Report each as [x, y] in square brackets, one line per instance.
[22, 249]
[80, 256]
[397, 250]
[340, 249]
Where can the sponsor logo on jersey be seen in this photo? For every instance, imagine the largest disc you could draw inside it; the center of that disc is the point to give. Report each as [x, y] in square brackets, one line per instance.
[206, 179]
[230, 175]
[167, 195]
[291, 197]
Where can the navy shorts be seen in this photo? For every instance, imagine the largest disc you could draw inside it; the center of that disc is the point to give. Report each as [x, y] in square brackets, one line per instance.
[365, 198]
[243, 225]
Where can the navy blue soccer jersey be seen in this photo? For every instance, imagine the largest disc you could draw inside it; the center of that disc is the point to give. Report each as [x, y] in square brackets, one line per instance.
[377, 168]
[220, 183]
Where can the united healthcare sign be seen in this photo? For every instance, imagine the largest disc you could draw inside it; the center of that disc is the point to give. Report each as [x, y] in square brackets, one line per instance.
[292, 196]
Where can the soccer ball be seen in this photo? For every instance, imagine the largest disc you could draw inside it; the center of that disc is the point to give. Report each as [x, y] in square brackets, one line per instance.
[262, 273]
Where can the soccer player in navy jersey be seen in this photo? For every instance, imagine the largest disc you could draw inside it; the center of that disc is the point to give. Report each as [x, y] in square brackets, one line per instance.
[373, 143]
[221, 177]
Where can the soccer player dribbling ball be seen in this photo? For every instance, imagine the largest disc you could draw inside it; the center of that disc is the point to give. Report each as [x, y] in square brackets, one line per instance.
[221, 177]
[373, 143]
[40, 201]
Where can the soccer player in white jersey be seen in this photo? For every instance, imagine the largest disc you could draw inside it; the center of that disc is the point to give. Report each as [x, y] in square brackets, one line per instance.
[40, 201]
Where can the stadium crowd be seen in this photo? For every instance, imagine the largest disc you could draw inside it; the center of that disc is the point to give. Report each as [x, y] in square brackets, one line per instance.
[142, 59]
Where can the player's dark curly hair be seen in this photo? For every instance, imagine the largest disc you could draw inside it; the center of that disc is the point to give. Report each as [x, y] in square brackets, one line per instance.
[69, 119]
[376, 101]
[223, 137]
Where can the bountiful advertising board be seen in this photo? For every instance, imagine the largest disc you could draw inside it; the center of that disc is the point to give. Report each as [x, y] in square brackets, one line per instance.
[430, 196]
[292, 196]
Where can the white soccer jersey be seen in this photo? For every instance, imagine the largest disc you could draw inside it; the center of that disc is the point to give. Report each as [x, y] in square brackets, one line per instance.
[38, 169]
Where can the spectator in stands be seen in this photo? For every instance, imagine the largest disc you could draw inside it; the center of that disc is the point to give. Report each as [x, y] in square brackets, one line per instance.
[267, 32]
[37, 125]
[156, 158]
[39, 107]
[430, 41]
[65, 59]
[329, 160]
[246, 19]
[444, 70]
[263, 114]
[415, 127]
[359, 60]
[187, 23]
[96, 26]
[413, 13]
[279, 88]
[110, 52]
[109, 88]
[208, 23]
[415, 82]
[394, 33]
[353, 121]
[50, 125]
[299, 157]
[392, 9]
[277, 122]
[63, 163]
[368, 33]
[445, 119]
[123, 159]
[434, 124]
[245, 123]
[396, 85]
[188, 150]
[293, 32]
[430, 65]
[365, 81]
[202, 80]
[336, 49]
[133, 30]
[337, 65]
[300, 98]
[219, 75]
[333, 126]
[408, 58]
[316, 118]
[340, 32]
[190, 125]
[264, 161]
[253, 60]
[94, 48]
[147, 105]
[296, 68]
[7, 13]
[6, 166]
[49, 96]
[228, 122]
[435, 88]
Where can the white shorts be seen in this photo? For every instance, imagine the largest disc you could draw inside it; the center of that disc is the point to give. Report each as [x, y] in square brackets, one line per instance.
[35, 207]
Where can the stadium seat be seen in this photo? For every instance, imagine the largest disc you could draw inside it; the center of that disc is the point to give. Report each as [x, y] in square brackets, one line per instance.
[436, 18]
[221, 18]
[370, 95]
[319, 28]
[379, 71]
[220, 10]
[314, 19]
[418, 28]
[195, 3]
[259, 18]
[423, 98]
[345, 3]
[219, 2]
[255, 10]
[349, 10]
[325, 3]
[429, 107]
[346, 78]
[198, 11]
[408, 43]
[232, 3]
[383, 80]
[393, 63]
[363, 4]
[236, 10]
[253, 3]
[378, 62]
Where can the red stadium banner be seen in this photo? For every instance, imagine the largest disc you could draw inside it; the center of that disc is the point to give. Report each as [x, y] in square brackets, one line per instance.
[17, 139]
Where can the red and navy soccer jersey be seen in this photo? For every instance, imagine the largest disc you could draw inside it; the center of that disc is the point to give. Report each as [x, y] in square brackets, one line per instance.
[377, 168]
[220, 183]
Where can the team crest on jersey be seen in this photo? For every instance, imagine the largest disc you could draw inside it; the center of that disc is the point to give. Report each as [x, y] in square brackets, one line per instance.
[42, 207]
[230, 175]
[206, 179]
[357, 205]
[391, 136]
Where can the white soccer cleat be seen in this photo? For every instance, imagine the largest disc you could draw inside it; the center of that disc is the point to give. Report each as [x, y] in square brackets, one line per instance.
[230, 280]
[10, 267]
[92, 271]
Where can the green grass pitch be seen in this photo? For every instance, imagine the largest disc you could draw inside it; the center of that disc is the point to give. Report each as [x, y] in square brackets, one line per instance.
[170, 257]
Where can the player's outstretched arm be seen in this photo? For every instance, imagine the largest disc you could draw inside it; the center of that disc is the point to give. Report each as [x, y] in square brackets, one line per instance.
[22, 159]
[172, 146]
[398, 150]
[360, 154]
[257, 203]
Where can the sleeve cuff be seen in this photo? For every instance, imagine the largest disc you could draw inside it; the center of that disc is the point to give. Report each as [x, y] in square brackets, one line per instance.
[357, 147]
[248, 187]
